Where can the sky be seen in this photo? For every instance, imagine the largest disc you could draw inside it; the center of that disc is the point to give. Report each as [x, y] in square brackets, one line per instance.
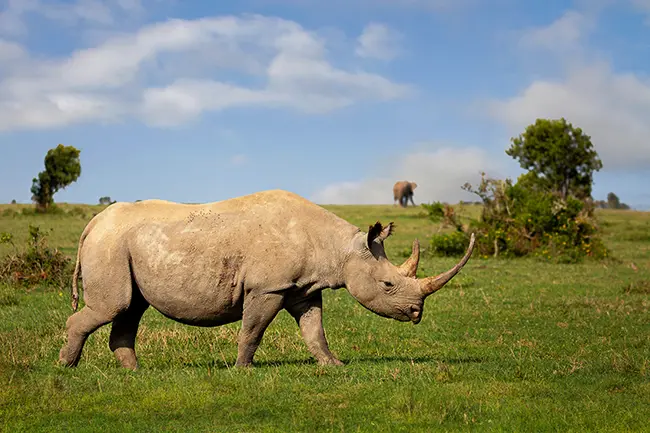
[199, 101]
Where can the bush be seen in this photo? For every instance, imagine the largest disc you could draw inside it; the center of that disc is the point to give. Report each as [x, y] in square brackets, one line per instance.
[77, 211]
[8, 212]
[38, 265]
[522, 219]
[37, 211]
[449, 244]
[435, 211]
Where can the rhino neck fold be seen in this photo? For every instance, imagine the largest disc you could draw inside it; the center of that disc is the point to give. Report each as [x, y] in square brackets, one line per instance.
[327, 258]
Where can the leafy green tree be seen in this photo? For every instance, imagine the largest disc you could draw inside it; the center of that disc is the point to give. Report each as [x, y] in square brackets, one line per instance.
[613, 201]
[62, 167]
[559, 157]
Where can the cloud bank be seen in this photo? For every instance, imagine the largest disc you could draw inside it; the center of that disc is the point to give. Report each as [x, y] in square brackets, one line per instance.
[171, 72]
[612, 107]
[439, 172]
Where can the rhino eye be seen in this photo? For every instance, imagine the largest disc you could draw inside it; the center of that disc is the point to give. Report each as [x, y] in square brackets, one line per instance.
[387, 283]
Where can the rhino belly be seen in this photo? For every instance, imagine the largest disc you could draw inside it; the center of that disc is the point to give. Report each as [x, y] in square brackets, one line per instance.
[194, 305]
[189, 294]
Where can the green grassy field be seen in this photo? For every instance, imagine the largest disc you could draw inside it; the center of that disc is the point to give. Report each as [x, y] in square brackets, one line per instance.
[508, 345]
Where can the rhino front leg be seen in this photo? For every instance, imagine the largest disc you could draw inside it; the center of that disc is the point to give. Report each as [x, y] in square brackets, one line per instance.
[259, 312]
[309, 316]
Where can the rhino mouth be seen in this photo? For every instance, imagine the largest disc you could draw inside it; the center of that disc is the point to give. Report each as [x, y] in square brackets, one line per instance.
[411, 314]
[414, 314]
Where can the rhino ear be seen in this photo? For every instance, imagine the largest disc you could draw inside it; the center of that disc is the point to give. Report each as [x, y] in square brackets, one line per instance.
[378, 232]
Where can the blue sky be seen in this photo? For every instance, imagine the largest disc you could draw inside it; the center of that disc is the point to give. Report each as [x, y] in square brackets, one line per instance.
[199, 101]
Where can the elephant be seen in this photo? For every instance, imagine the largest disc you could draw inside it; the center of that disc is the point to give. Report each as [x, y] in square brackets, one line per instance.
[403, 191]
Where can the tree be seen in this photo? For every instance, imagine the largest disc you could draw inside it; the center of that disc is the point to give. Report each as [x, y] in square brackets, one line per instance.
[559, 157]
[62, 167]
[105, 200]
[613, 201]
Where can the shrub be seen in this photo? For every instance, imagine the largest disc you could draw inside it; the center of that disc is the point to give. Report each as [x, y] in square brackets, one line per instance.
[449, 244]
[435, 211]
[77, 211]
[35, 210]
[8, 212]
[522, 219]
[37, 265]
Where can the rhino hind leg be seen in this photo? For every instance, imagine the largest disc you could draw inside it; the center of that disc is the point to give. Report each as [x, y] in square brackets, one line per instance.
[124, 330]
[308, 313]
[79, 326]
[108, 294]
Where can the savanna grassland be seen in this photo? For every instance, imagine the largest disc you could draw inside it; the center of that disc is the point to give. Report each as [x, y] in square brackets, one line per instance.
[508, 345]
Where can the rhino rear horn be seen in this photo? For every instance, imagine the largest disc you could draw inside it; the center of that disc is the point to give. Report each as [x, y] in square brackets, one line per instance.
[410, 266]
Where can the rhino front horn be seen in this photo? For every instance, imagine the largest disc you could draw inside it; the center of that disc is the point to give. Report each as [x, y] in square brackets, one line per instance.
[410, 266]
[433, 284]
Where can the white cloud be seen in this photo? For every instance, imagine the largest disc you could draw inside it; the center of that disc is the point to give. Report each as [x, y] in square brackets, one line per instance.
[612, 107]
[564, 35]
[186, 99]
[110, 81]
[439, 173]
[379, 41]
[10, 52]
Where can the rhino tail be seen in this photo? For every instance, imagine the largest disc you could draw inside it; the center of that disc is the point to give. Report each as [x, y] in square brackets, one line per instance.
[75, 286]
[77, 265]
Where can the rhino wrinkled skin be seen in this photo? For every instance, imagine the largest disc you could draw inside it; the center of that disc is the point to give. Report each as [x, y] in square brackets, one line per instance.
[244, 259]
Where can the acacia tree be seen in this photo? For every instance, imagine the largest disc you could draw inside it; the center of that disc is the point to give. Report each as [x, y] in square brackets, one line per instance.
[62, 167]
[559, 157]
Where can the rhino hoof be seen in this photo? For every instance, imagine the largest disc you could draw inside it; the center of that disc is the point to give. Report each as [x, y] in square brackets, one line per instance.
[333, 361]
[65, 360]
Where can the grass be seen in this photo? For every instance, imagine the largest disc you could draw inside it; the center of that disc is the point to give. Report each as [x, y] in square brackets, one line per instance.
[509, 345]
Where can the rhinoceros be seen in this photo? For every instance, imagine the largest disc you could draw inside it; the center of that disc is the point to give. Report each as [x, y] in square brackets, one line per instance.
[244, 258]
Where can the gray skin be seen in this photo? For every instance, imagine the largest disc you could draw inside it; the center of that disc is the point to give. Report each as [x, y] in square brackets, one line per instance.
[244, 259]
[403, 191]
